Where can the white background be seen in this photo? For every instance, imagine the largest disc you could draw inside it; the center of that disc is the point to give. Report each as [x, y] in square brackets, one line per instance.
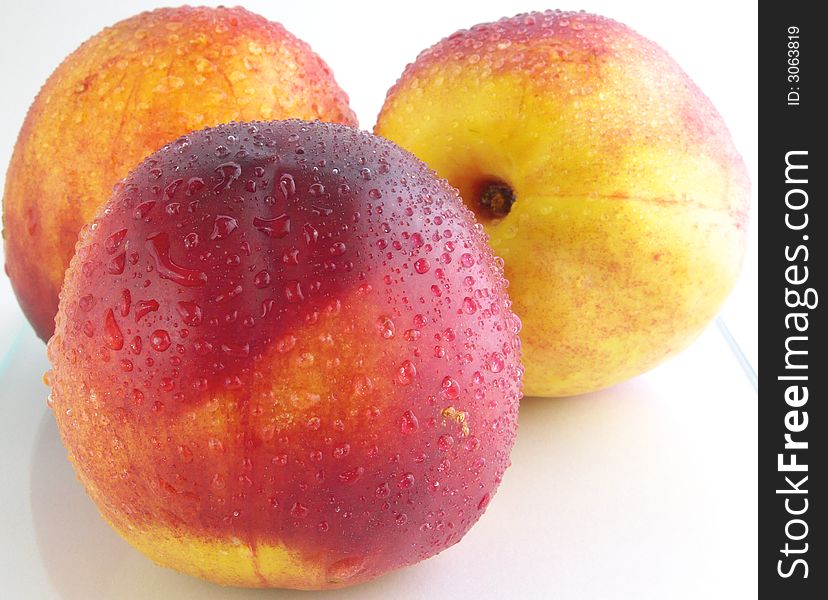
[647, 490]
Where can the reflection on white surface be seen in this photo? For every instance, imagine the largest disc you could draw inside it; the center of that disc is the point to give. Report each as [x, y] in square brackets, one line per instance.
[646, 490]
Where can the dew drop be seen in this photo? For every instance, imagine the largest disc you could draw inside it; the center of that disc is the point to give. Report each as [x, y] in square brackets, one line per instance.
[421, 266]
[229, 173]
[223, 226]
[311, 234]
[484, 502]
[144, 307]
[117, 264]
[405, 481]
[450, 389]
[409, 422]
[190, 312]
[287, 185]
[469, 306]
[386, 327]
[114, 241]
[86, 302]
[143, 209]
[126, 302]
[293, 291]
[261, 279]
[275, 228]
[160, 340]
[236, 350]
[406, 372]
[159, 248]
[352, 475]
[445, 442]
[113, 337]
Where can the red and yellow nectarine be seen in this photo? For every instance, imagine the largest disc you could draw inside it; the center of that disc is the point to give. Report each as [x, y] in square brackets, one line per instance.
[606, 179]
[122, 95]
[284, 356]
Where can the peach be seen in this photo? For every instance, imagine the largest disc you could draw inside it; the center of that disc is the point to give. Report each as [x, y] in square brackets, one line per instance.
[606, 179]
[284, 356]
[122, 95]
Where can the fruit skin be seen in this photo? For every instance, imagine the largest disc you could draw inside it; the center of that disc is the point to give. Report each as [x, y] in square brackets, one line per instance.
[628, 228]
[122, 95]
[284, 356]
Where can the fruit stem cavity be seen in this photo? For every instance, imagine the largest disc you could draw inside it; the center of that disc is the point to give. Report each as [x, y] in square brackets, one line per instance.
[496, 199]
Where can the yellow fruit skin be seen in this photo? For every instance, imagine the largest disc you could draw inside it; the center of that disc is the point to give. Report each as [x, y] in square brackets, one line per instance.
[122, 95]
[629, 224]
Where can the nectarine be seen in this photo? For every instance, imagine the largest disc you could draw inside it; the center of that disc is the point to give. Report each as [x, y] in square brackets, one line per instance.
[122, 95]
[606, 179]
[284, 356]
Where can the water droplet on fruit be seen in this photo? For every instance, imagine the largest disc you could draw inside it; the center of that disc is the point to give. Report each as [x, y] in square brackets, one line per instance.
[160, 340]
[262, 279]
[406, 372]
[409, 423]
[229, 173]
[450, 389]
[484, 502]
[86, 302]
[469, 306]
[421, 266]
[143, 209]
[386, 327]
[114, 241]
[117, 264]
[171, 188]
[496, 362]
[236, 350]
[194, 185]
[445, 442]
[276, 228]
[287, 185]
[405, 481]
[352, 475]
[190, 312]
[125, 303]
[159, 248]
[144, 307]
[337, 249]
[316, 190]
[223, 226]
[112, 333]
[293, 291]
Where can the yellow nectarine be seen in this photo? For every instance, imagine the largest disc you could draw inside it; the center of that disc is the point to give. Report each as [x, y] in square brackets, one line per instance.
[606, 179]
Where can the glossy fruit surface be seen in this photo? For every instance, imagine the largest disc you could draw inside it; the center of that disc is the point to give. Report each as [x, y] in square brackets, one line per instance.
[284, 356]
[606, 179]
[123, 94]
